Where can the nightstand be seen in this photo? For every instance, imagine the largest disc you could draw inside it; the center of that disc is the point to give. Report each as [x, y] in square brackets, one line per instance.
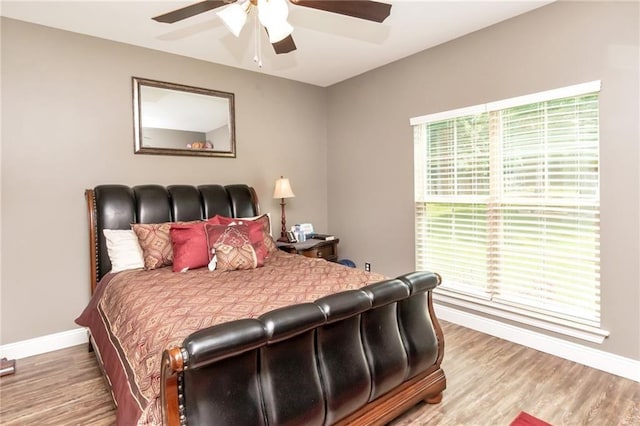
[320, 249]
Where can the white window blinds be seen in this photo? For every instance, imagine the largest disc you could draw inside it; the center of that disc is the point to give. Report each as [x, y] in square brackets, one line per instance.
[507, 203]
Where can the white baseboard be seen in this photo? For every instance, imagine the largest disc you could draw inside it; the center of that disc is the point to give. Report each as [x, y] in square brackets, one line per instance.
[40, 345]
[605, 361]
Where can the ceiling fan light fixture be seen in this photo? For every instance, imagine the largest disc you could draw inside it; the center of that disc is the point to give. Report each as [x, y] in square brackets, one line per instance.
[279, 31]
[273, 15]
[234, 16]
[272, 12]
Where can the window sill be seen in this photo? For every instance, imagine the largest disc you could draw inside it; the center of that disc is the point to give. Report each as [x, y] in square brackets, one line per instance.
[567, 328]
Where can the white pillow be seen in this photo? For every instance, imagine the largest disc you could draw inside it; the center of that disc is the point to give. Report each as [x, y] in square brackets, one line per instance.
[123, 249]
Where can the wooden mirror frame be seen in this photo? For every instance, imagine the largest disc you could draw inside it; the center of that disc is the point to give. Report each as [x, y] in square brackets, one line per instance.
[202, 100]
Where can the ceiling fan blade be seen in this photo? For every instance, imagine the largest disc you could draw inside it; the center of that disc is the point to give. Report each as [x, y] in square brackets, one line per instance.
[363, 9]
[191, 10]
[285, 45]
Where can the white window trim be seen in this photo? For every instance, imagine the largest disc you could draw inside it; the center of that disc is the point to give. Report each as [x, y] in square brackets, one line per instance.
[491, 307]
[567, 328]
[547, 95]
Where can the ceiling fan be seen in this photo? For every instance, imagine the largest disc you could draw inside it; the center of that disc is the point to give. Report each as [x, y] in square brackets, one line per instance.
[273, 15]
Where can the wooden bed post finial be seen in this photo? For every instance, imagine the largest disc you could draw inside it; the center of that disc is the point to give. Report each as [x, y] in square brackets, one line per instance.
[170, 393]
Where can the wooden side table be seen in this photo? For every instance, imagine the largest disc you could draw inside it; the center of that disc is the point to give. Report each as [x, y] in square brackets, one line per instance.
[320, 249]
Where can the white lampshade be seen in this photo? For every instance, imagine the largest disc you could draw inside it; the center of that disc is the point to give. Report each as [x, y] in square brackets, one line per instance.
[272, 11]
[234, 16]
[279, 31]
[283, 189]
[273, 15]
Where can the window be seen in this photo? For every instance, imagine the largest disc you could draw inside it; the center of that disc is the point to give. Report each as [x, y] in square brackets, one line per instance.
[507, 205]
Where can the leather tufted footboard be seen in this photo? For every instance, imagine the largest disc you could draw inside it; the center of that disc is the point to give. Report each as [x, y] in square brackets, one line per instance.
[355, 357]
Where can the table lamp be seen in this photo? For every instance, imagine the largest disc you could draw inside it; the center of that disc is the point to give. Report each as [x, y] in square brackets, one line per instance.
[283, 190]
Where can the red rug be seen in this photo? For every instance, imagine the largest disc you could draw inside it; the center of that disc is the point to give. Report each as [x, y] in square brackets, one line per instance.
[525, 419]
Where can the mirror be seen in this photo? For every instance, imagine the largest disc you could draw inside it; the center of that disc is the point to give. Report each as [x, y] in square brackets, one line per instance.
[172, 119]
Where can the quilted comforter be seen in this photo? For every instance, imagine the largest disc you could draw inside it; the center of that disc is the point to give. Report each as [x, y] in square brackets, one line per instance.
[134, 315]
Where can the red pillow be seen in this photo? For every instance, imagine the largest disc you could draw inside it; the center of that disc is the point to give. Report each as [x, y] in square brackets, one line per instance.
[258, 233]
[232, 247]
[189, 243]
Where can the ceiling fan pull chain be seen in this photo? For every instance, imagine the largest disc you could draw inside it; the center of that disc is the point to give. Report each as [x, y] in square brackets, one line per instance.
[257, 56]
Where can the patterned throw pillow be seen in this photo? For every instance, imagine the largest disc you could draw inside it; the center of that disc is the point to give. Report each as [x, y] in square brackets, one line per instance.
[267, 241]
[155, 242]
[231, 246]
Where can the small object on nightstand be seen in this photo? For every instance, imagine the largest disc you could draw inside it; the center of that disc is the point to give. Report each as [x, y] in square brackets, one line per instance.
[324, 237]
[300, 235]
[290, 237]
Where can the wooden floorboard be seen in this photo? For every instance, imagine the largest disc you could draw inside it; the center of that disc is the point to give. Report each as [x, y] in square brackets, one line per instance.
[489, 381]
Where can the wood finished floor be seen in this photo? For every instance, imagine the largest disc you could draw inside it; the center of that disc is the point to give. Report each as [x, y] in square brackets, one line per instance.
[489, 381]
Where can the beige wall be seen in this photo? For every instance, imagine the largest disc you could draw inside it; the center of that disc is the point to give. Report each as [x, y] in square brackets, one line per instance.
[370, 151]
[67, 125]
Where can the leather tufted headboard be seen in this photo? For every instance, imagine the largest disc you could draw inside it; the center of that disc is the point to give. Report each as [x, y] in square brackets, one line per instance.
[118, 206]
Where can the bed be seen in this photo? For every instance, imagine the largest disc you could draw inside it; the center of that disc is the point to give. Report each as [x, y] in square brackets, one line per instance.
[295, 340]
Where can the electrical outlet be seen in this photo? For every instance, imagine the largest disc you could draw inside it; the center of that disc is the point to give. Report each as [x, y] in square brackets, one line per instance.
[367, 266]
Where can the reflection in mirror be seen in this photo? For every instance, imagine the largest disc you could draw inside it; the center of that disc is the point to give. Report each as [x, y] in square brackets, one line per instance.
[173, 119]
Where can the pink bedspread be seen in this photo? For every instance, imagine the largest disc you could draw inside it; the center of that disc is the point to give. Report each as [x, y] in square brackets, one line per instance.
[135, 315]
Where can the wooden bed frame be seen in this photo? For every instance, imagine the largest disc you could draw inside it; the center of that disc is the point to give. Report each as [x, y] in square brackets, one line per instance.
[359, 357]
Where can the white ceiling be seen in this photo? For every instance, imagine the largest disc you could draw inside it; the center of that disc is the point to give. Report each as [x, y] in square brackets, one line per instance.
[331, 47]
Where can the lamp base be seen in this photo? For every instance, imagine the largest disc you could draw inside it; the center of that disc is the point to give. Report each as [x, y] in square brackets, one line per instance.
[283, 231]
